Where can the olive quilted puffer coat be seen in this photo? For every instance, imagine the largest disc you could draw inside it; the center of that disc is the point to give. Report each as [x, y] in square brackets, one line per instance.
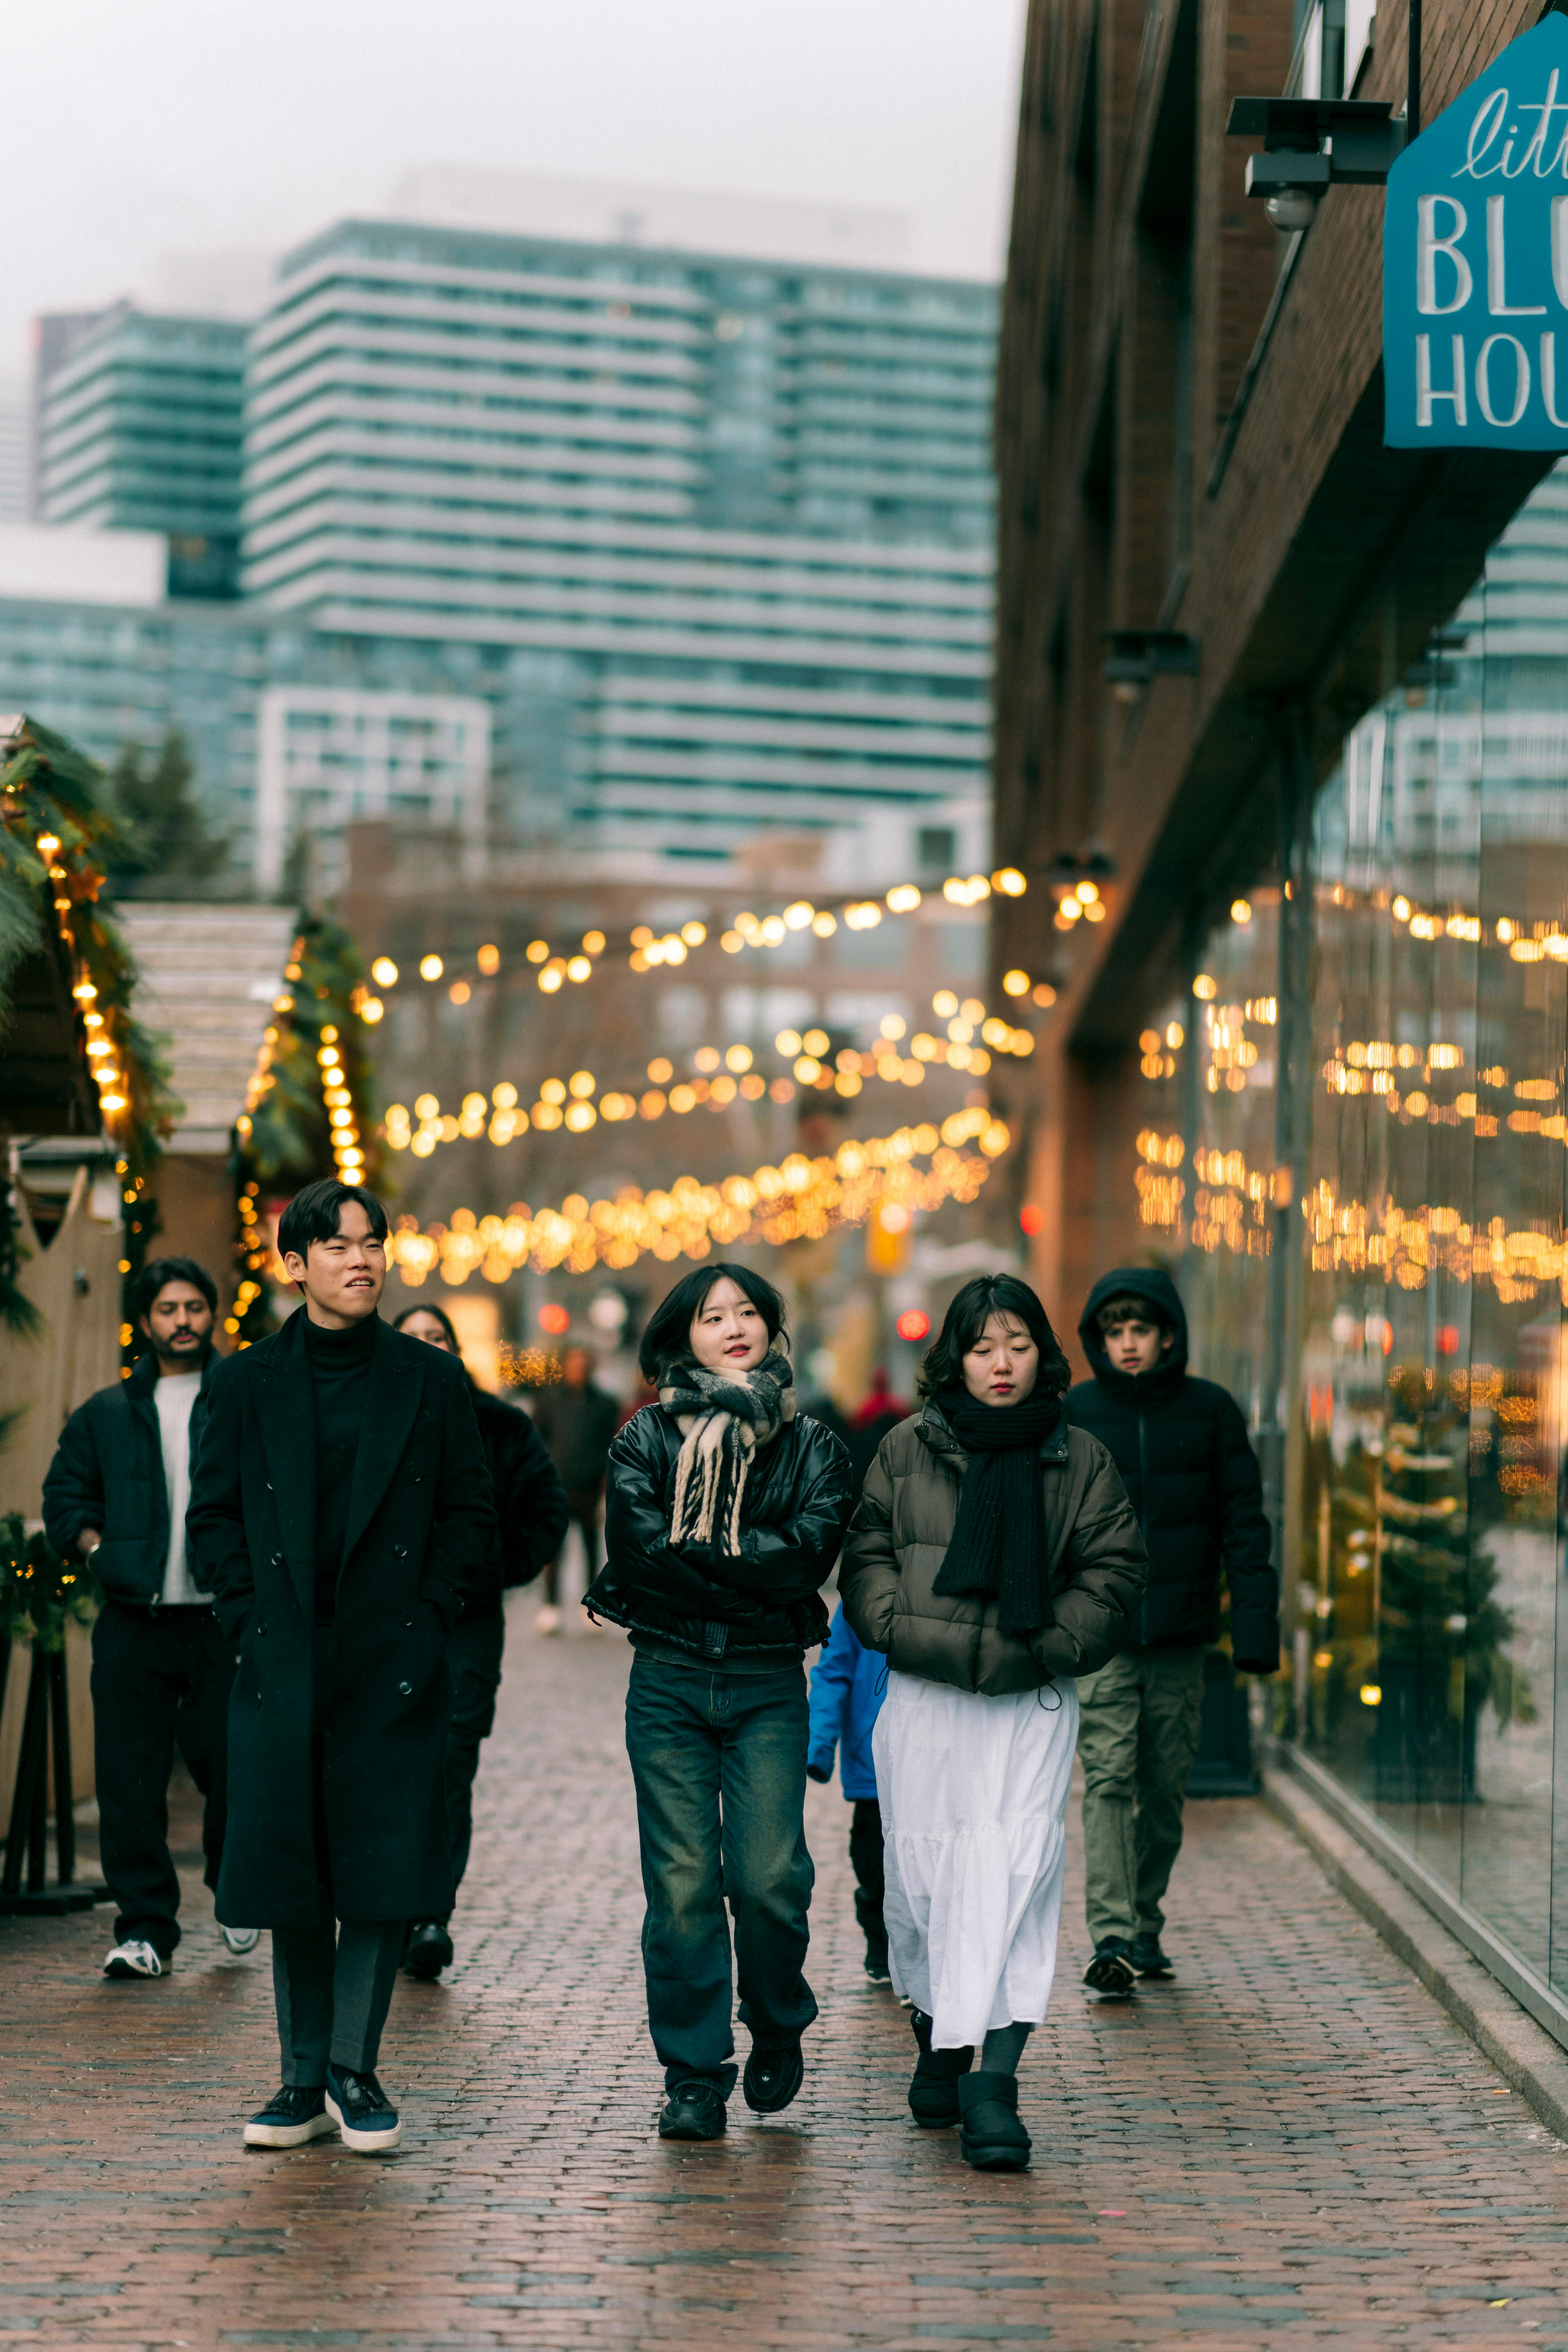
[899, 1538]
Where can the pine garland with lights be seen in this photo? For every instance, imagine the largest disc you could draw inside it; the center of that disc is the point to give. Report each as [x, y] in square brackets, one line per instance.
[40, 1593]
[57, 836]
[309, 1111]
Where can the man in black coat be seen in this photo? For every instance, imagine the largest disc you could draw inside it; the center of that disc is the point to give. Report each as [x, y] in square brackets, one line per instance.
[116, 1494]
[531, 1505]
[340, 1514]
[1185, 1459]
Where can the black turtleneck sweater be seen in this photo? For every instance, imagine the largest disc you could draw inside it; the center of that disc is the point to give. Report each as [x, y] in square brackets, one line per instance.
[340, 1373]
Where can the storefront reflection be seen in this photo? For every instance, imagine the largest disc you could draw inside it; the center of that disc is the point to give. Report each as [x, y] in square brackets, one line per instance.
[1425, 1384]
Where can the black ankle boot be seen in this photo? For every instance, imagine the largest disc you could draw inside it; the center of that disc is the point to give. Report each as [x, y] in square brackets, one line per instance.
[992, 2138]
[934, 2088]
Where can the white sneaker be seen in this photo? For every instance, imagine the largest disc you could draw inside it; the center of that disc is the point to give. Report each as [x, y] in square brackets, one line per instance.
[548, 1619]
[242, 1939]
[135, 1958]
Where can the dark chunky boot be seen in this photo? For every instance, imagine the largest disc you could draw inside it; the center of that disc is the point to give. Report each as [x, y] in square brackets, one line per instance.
[934, 2088]
[992, 2138]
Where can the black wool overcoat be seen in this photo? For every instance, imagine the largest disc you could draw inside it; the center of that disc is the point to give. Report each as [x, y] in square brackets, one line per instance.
[420, 1526]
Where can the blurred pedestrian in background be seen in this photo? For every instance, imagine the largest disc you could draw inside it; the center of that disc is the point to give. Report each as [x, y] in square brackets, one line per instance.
[994, 1555]
[576, 1420]
[162, 1671]
[1182, 1447]
[531, 1515]
[881, 1412]
[726, 1512]
[847, 1684]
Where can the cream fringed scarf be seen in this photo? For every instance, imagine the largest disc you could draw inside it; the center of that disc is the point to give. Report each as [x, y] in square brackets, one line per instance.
[722, 1417]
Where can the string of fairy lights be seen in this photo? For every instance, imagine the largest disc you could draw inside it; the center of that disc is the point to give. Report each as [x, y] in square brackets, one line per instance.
[650, 951]
[800, 1199]
[720, 1080]
[1231, 1199]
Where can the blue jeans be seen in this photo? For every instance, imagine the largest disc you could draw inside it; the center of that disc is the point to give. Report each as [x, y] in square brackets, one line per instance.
[719, 1762]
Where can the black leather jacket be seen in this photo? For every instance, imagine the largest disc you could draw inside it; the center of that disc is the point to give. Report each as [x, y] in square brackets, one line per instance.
[797, 1507]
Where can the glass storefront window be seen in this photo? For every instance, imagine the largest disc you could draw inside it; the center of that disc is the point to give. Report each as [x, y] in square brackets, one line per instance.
[1425, 1367]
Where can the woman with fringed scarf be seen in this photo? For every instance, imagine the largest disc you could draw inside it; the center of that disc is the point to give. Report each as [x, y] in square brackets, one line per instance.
[724, 1512]
[994, 1556]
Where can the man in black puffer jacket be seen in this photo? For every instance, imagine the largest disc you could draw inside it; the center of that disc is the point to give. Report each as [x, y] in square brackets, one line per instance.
[1182, 1447]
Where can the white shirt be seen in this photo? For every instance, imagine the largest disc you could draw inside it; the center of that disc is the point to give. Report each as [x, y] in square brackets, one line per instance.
[175, 1394]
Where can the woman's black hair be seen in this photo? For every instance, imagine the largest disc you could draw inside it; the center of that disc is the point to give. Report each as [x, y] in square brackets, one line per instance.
[966, 1318]
[428, 1307]
[668, 1339]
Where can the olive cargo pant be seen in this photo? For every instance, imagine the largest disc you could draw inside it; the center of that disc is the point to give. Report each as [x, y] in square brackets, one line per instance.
[1137, 1735]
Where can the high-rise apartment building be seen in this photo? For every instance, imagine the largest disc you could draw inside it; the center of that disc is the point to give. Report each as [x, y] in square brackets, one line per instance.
[698, 549]
[724, 526]
[141, 427]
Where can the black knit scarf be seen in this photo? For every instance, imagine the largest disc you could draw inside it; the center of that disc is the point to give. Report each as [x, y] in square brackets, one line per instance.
[998, 1545]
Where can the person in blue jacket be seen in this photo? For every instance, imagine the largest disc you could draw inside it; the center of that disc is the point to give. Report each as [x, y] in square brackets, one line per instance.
[847, 1684]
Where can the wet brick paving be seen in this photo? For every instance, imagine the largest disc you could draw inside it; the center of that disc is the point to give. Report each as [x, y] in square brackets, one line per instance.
[1292, 2145]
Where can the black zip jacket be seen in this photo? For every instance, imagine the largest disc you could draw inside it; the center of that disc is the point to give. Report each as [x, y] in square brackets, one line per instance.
[531, 1502]
[1185, 1459]
[107, 1474]
[766, 1602]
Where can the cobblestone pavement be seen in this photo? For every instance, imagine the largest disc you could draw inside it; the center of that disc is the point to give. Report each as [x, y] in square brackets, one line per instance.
[1292, 2145]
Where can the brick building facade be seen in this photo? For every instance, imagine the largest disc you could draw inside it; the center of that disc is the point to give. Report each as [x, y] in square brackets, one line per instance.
[1307, 1047]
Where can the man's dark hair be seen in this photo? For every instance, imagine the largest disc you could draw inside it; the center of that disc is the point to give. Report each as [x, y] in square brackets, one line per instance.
[966, 1318]
[161, 1270]
[667, 1339]
[1128, 1308]
[315, 1213]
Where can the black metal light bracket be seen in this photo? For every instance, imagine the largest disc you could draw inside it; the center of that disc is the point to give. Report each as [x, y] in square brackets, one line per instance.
[1315, 143]
[1138, 655]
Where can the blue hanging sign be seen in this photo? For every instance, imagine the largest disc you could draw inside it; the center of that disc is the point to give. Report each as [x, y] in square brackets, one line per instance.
[1475, 262]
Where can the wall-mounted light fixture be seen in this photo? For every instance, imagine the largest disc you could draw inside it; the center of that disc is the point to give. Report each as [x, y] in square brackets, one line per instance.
[1136, 656]
[1310, 145]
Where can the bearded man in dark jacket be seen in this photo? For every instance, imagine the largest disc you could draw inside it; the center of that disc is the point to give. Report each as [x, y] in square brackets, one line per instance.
[1185, 1459]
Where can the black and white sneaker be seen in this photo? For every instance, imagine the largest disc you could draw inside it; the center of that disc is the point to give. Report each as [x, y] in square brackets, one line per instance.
[1111, 1973]
[692, 2111]
[242, 1939]
[365, 2117]
[773, 2077]
[877, 1970]
[1148, 1958]
[136, 1958]
[291, 2117]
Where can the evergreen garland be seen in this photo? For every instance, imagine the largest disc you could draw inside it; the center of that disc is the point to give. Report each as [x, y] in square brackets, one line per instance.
[56, 838]
[286, 1136]
[40, 1593]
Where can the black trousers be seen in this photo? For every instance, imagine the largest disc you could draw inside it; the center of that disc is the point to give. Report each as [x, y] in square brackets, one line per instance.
[161, 1680]
[865, 1862]
[332, 1982]
[473, 1659]
[334, 1990]
[582, 1507]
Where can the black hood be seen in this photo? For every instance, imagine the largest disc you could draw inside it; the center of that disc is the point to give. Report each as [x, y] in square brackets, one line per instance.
[1164, 1303]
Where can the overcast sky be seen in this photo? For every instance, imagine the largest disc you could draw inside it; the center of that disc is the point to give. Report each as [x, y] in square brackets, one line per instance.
[134, 129]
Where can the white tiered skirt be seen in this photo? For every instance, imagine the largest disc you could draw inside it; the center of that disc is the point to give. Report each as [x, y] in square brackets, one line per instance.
[973, 1794]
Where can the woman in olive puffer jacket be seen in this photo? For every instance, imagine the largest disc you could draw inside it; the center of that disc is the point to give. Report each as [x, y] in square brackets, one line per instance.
[994, 1556]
